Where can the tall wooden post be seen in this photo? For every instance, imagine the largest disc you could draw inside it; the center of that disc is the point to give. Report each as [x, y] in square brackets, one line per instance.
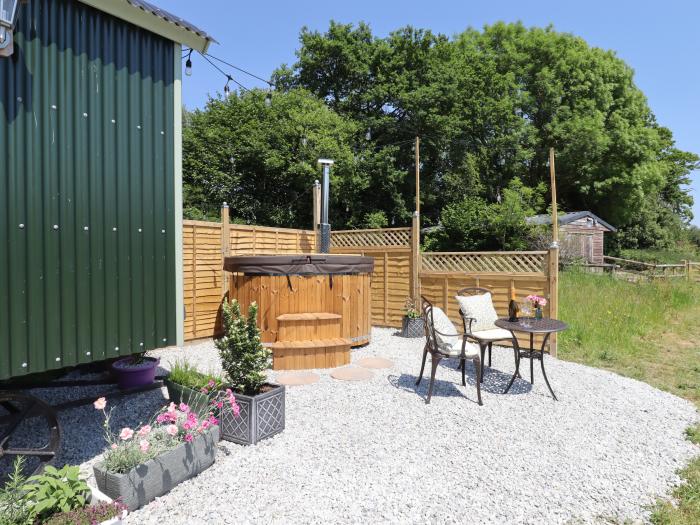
[418, 175]
[225, 246]
[317, 213]
[415, 258]
[553, 258]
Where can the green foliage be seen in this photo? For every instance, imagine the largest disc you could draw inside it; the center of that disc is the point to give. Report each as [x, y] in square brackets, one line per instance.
[55, 491]
[376, 219]
[488, 105]
[243, 357]
[186, 374]
[89, 515]
[14, 507]
[670, 256]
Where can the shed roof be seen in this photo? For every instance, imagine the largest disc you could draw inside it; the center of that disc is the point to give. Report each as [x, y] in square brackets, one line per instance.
[566, 218]
[157, 20]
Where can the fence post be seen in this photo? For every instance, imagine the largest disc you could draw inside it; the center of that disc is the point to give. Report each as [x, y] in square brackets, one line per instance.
[317, 213]
[225, 246]
[553, 277]
[415, 258]
[687, 269]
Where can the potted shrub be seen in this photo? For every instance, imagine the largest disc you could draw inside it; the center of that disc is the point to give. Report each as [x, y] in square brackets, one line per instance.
[144, 463]
[186, 384]
[412, 325]
[244, 360]
[135, 370]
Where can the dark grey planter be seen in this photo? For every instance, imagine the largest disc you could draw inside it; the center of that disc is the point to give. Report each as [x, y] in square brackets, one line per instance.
[198, 402]
[158, 476]
[412, 327]
[261, 417]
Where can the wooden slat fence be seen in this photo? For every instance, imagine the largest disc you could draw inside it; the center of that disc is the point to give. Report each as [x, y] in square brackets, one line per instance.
[262, 240]
[693, 271]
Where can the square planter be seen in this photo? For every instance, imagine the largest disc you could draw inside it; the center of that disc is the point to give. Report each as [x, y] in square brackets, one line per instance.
[158, 476]
[260, 417]
[412, 327]
[197, 401]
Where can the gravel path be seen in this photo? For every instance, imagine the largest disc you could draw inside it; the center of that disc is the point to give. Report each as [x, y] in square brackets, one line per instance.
[373, 452]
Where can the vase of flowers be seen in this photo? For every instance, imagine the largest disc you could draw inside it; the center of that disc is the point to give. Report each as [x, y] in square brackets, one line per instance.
[412, 324]
[244, 360]
[537, 303]
[143, 463]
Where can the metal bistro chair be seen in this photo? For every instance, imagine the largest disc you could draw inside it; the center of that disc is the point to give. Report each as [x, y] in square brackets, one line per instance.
[486, 337]
[445, 344]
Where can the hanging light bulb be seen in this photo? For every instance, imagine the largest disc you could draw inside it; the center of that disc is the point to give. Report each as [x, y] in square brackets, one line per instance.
[188, 65]
[268, 100]
[368, 135]
[227, 90]
[304, 141]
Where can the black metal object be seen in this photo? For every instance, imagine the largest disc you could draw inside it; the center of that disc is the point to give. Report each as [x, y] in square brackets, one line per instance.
[432, 347]
[535, 326]
[27, 406]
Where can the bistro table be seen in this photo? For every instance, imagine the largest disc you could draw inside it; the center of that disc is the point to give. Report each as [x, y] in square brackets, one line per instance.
[532, 326]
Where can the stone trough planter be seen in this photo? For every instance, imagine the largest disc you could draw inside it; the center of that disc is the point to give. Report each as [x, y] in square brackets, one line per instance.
[412, 327]
[261, 416]
[158, 476]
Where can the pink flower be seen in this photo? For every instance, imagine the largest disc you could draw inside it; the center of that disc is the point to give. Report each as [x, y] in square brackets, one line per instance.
[172, 430]
[204, 391]
[143, 445]
[126, 433]
[213, 420]
[100, 404]
[228, 392]
[205, 424]
[145, 430]
[184, 408]
[171, 407]
[189, 438]
[113, 446]
[188, 425]
[211, 383]
[219, 404]
[236, 410]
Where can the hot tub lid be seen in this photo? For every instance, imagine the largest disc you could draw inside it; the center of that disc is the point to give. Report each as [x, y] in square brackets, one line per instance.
[300, 264]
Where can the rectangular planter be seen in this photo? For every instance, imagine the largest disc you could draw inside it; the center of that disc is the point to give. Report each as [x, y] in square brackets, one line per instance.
[197, 401]
[261, 417]
[158, 476]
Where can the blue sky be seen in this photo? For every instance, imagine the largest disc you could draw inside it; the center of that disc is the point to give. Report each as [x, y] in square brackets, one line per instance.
[658, 39]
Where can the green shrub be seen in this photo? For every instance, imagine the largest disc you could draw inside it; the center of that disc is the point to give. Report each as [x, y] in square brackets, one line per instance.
[186, 374]
[55, 491]
[14, 508]
[243, 357]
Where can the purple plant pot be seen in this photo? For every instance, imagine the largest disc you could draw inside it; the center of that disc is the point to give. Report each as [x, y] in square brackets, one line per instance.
[134, 376]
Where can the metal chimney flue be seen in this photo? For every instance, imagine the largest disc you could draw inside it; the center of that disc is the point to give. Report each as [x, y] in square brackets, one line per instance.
[325, 227]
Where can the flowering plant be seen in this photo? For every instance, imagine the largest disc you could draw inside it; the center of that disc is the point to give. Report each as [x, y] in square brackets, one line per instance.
[172, 425]
[411, 308]
[537, 301]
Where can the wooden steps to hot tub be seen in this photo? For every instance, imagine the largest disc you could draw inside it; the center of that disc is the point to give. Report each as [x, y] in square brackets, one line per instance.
[309, 340]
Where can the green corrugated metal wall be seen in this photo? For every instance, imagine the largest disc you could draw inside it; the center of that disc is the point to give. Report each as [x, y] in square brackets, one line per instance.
[87, 228]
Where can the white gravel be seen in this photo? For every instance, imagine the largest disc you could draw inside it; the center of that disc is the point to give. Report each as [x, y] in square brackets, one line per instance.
[374, 452]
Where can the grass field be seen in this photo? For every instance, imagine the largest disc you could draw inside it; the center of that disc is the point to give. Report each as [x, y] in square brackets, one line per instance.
[690, 253]
[648, 331]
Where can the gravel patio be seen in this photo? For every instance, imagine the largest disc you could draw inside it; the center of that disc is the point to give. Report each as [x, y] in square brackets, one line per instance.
[373, 451]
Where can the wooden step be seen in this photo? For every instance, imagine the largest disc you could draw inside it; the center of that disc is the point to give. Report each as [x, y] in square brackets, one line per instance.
[312, 316]
[308, 326]
[306, 354]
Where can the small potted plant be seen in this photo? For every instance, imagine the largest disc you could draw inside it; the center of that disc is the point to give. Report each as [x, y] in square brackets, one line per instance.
[537, 304]
[186, 384]
[244, 360]
[146, 462]
[412, 325]
[135, 370]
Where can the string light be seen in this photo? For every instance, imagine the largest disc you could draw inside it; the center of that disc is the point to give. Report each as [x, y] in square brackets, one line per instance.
[188, 64]
[368, 135]
[268, 99]
[227, 90]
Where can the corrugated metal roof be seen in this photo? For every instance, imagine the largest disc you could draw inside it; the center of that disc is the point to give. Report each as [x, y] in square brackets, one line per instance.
[166, 15]
[566, 218]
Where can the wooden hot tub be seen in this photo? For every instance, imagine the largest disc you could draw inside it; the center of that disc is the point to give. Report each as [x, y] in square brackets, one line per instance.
[312, 308]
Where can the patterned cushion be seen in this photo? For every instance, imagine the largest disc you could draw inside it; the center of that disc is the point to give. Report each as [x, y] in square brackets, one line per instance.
[444, 325]
[480, 307]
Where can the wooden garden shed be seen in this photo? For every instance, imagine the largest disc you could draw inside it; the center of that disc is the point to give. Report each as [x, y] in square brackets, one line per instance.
[581, 233]
[90, 181]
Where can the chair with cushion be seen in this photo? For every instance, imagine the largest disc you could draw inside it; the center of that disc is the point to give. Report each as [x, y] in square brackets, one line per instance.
[478, 317]
[443, 341]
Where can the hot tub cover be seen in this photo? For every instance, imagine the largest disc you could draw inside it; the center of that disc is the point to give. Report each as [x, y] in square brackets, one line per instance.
[303, 264]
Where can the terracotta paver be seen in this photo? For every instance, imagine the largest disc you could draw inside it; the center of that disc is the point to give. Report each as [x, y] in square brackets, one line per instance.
[351, 373]
[374, 362]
